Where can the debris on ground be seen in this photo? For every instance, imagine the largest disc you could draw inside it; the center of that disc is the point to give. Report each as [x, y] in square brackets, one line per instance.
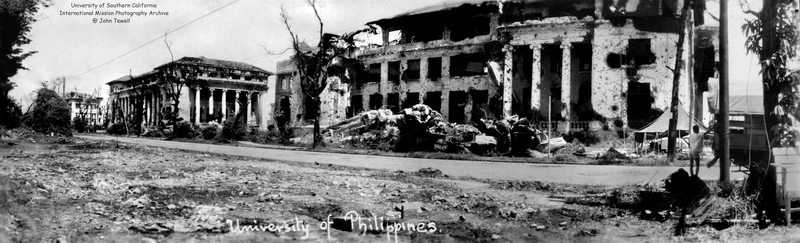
[135, 193]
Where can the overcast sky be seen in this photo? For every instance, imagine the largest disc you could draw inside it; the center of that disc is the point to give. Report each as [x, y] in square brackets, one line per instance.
[70, 45]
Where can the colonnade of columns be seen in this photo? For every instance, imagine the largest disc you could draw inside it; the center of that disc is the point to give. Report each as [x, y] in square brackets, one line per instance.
[211, 113]
[152, 107]
[536, 78]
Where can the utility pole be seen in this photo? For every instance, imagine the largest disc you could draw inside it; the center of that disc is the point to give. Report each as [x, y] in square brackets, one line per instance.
[676, 79]
[723, 131]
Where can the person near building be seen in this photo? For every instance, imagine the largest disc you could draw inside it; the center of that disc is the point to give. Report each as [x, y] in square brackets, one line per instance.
[695, 149]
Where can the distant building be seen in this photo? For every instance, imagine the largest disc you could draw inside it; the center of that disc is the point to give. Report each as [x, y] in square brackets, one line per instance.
[87, 107]
[221, 87]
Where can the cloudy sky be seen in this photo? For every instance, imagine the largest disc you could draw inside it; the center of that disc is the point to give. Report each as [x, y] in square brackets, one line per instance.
[90, 54]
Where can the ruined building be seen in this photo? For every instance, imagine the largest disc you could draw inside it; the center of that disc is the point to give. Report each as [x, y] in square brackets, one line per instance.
[571, 61]
[219, 90]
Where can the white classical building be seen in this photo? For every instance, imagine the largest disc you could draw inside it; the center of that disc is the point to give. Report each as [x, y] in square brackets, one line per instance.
[221, 88]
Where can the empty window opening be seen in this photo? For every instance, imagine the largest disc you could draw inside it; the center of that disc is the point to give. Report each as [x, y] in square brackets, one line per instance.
[467, 65]
[412, 98]
[375, 101]
[423, 32]
[469, 28]
[458, 100]
[412, 72]
[356, 105]
[395, 37]
[434, 100]
[704, 61]
[393, 102]
[375, 72]
[583, 51]
[639, 53]
[394, 71]
[434, 68]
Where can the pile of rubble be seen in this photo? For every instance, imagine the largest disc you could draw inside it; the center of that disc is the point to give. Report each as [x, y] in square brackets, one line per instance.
[421, 128]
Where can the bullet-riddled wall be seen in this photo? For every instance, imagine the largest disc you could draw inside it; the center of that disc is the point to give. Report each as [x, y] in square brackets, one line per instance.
[610, 91]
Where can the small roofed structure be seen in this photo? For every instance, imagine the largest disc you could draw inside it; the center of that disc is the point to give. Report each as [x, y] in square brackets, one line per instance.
[662, 123]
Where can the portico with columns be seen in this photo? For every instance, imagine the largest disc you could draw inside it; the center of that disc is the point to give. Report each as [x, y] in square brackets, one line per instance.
[214, 93]
[218, 104]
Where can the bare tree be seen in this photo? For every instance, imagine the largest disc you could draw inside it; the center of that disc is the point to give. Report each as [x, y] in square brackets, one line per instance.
[173, 83]
[329, 59]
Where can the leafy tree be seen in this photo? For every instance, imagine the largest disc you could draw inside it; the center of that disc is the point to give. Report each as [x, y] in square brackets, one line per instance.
[16, 17]
[49, 114]
[773, 35]
[329, 59]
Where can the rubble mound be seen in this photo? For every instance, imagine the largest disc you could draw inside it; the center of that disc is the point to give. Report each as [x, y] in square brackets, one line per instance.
[429, 172]
[613, 156]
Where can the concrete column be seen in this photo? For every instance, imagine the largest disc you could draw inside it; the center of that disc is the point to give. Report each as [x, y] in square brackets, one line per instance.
[566, 79]
[149, 105]
[72, 111]
[211, 105]
[224, 104]
[536, 77]
[236, 103]
[197, 105]
[249, 107]
[508, 80]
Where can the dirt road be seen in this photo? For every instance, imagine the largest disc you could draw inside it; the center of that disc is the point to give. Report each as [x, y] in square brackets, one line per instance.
[572, 174]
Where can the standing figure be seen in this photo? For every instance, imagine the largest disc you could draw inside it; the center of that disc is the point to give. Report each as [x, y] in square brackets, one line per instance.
[695, 147]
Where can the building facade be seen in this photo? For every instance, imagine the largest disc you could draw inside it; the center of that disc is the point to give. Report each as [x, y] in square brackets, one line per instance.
[570, 61]
[86, 106]
[217, 91]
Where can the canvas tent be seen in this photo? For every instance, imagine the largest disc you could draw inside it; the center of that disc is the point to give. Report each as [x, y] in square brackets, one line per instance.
[737, 104]
[661, 124]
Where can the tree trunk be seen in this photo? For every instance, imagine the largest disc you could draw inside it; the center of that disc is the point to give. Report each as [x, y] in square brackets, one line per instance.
[317, 134]
[174, 116]
[770, 45]
[676, 78]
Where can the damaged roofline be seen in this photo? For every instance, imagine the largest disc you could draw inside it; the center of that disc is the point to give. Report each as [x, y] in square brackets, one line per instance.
[463, 4]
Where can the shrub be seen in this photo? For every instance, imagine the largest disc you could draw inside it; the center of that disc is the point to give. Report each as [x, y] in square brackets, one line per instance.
[14, 113]
[152, 132]
[79, 124]
[116, 129]
[211, 132]
[50, 114]
[234, 129]
[184, 129]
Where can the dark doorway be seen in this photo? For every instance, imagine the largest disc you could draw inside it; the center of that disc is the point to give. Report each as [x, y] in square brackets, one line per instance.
[375, 101]
[458, 100]
[639, 104]
[480, 105]
[434, 100]
[285, 113]
[356, 105]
